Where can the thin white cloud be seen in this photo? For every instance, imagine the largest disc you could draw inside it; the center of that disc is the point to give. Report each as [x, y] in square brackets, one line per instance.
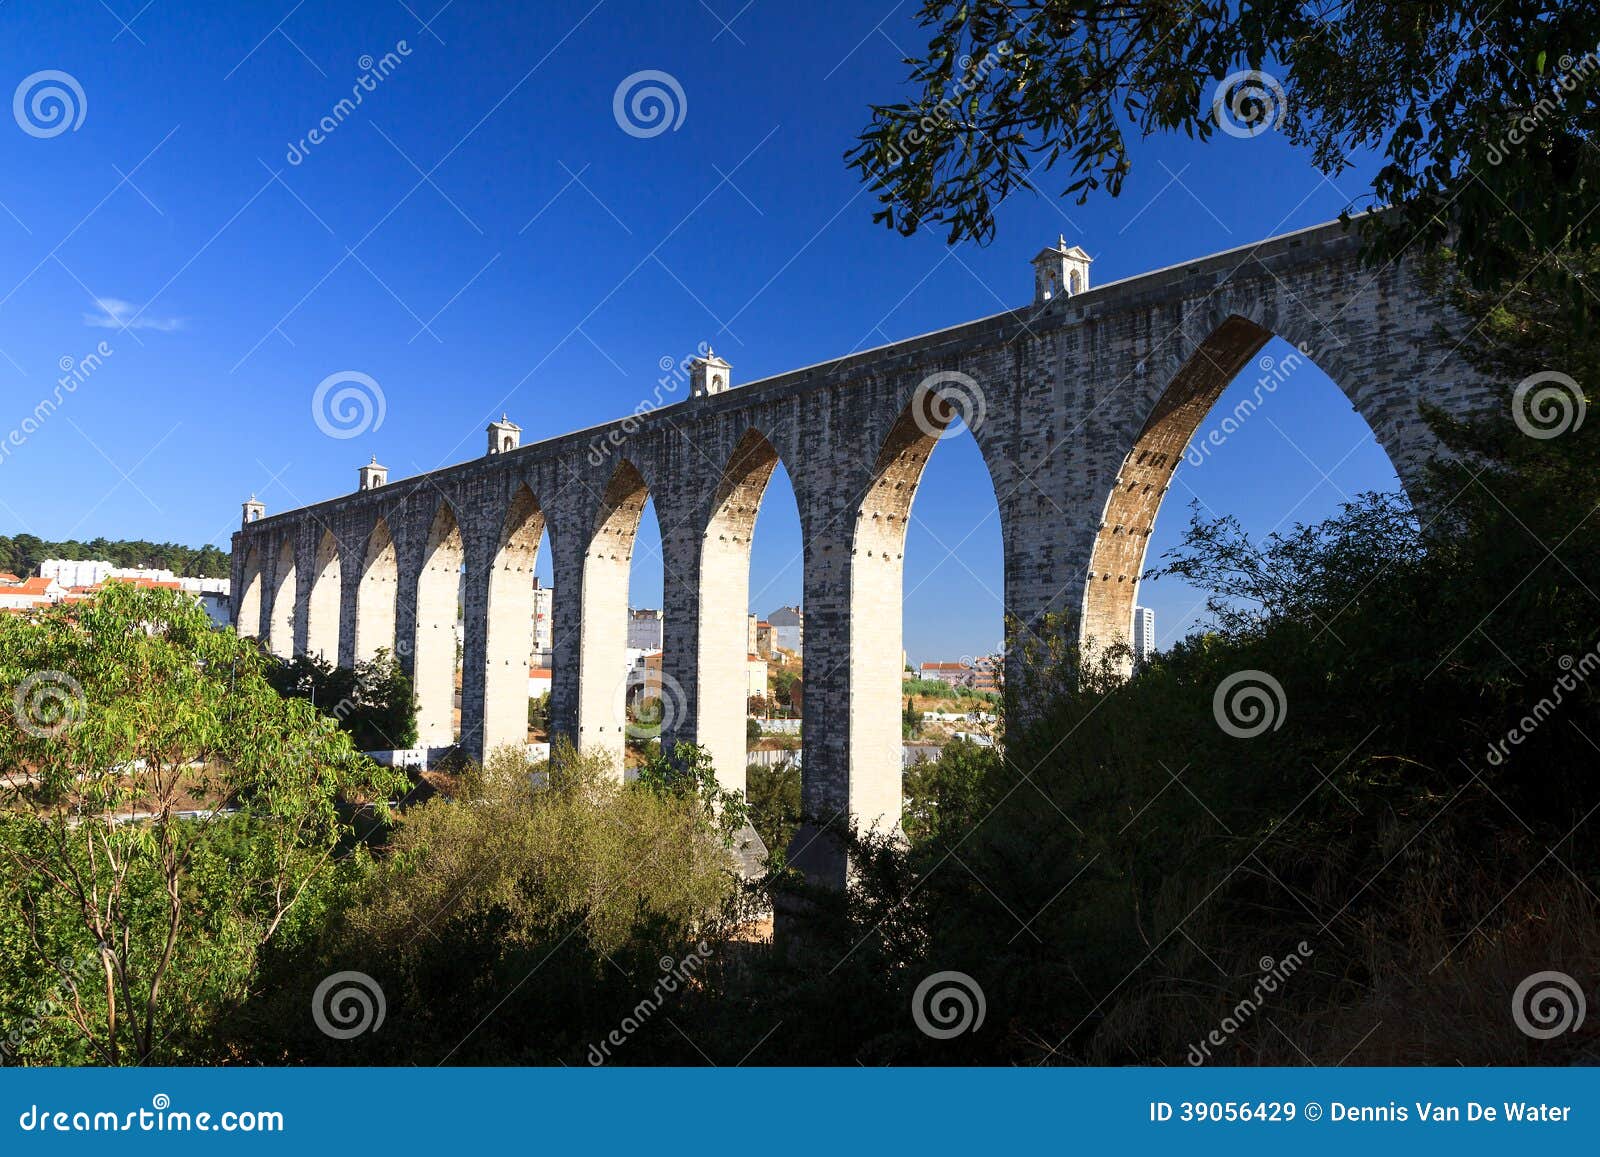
[119, 314]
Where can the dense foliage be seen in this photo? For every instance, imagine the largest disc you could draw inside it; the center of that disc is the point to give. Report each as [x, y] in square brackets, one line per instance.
[166, 815]
[373, 700]
[522, 921]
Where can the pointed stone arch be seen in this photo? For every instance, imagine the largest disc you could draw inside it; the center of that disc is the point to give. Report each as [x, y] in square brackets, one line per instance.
[438, 596]
[509, 625]
[877, 581]
[603, 641]
[322, 603]
[1176, 406]
[280, 626]
[719, 697]
[377, 590]
[248, 623]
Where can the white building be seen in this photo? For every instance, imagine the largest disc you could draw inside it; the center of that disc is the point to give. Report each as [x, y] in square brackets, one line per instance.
[644, 674]
[79, 572]
[543, 625]
[1144, 634]
[74, 572]
[644, 629]
[788, 628]
[26, 594]
[955, 674]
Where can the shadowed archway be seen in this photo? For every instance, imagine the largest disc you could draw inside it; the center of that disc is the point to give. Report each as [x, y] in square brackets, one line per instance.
[376, 594]
[510, 643]
[1232, 355]
[322, 604]
[436, 647]
[280, 630]
[603, 641]
[248, 623]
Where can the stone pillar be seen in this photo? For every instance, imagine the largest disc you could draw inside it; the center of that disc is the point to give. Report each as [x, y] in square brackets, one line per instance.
[684, 720]
[602, 650]
[826, 706]
[567, 546]
[247, 586]
[408, 566]
[305, 574]
[475, 585]
[349, 602]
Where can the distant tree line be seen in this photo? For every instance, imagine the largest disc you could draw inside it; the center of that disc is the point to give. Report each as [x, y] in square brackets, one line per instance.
[22, 555]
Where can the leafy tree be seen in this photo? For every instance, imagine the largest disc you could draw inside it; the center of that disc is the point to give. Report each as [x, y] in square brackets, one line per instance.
[373, 701]
[687, 773]
[783, 681]
[774, 795]
[1484, 112]
[572, 878]
[752, 731]
[169, 815]
[941, 794]
[539, 713]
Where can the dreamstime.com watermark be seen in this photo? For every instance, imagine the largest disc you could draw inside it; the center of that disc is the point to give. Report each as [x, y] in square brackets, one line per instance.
[1548, 404]
[348, 404]
[373, 73]
[674, 974]
[674, 376]
[347, 1004]
[1249, 103]
[947, 1004]
[74, 372]
[1274, 372]
[648, 103]
[19, 1030]
[160, 1117]
[1571, 75]
[48, 103]
[653, 704]
[945, 397]
[1273, 975]
[973, 74]
[1547, 1004]
[1249, 703]
[1576, 674]
[47, 703]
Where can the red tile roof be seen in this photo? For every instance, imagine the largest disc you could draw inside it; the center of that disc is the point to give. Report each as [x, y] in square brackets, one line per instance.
[35, 586]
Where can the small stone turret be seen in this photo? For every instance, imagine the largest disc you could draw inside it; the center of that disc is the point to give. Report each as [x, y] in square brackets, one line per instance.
[709, 375]
[504, 435]
[373, 476]
[1060, 270]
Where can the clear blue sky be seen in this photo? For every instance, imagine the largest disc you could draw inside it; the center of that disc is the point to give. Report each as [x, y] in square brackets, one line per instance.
[544, 266]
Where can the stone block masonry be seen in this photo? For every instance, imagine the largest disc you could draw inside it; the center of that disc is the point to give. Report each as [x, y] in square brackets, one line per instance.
[1082, 404]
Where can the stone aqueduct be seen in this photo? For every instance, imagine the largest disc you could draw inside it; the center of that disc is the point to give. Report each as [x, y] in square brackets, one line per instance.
[1084, 403]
